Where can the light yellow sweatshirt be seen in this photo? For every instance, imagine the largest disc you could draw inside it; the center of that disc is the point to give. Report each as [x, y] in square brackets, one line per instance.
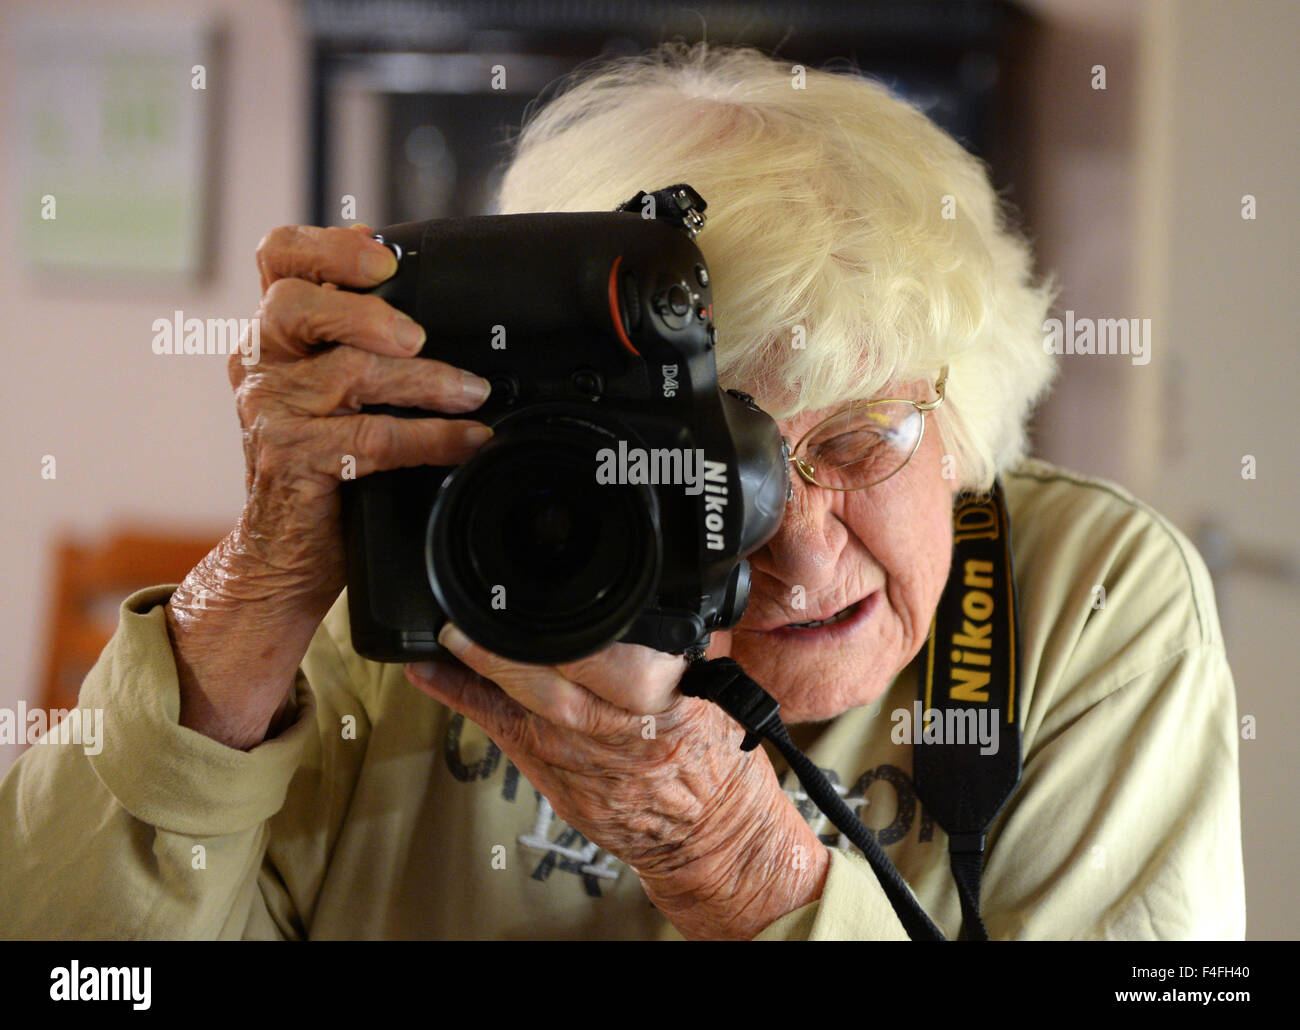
[376, 812]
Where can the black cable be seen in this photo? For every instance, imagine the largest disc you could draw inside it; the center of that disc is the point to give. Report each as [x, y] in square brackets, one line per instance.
[724, 682]
[918, 925]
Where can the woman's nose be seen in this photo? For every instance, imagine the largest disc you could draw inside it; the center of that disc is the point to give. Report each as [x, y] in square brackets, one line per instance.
[805, 548]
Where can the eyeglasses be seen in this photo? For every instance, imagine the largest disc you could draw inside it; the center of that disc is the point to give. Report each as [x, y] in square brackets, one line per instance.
[866, 443]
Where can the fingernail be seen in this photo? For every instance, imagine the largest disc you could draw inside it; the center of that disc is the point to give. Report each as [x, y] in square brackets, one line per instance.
[377, 262]
[453, 639]
[477, 435]
[474, 389]
[409, 333]
[423, 670]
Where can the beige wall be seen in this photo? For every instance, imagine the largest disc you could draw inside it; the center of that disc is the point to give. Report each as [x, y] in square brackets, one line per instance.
[135, 435]
[1078, 203]
[1136, 204]
[1219, 97]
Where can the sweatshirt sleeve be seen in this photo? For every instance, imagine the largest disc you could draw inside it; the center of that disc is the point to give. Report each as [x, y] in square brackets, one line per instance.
[853, 906]
[153, 830]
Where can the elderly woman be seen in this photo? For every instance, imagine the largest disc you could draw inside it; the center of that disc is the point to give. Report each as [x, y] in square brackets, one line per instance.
[260, 779]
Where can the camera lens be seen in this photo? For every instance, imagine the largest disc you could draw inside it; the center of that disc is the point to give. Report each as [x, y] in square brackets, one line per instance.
[531, 556]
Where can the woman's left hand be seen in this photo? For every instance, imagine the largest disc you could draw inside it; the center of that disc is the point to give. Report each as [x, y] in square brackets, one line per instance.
[655, 778]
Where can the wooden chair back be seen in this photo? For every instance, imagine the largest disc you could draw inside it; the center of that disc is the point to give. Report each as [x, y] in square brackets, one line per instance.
[91, 581]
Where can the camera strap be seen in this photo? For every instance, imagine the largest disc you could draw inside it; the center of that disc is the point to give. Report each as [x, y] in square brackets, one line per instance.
[966, 756]
[970, 670]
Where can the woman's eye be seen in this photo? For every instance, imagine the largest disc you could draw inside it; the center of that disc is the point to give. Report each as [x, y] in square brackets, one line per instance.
[844, 448]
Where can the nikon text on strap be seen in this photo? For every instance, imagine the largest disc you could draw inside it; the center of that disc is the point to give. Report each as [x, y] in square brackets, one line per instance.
[966, 761]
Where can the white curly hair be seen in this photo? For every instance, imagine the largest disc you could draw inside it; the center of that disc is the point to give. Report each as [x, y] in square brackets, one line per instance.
[840, 217]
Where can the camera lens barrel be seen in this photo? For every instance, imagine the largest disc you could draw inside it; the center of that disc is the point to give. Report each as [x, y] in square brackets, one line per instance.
[534, 559]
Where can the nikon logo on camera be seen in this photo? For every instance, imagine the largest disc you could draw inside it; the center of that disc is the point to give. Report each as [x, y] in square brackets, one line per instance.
[671, 466]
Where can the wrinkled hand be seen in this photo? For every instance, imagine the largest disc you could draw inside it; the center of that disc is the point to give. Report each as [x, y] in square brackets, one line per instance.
[242, 619]
[655, 778]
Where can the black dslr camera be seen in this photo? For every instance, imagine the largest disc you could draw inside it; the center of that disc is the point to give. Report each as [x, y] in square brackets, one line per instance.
[622, 487]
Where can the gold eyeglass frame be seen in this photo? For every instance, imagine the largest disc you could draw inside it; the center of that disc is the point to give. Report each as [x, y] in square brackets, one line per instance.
[808, 470]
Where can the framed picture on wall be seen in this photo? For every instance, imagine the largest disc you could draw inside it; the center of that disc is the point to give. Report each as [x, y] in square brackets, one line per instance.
[114, 136]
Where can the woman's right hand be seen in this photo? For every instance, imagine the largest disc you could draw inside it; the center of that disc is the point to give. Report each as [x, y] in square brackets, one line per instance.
[241, 621]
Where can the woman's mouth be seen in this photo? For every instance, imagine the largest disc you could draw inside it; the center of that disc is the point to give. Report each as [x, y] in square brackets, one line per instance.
[843, 622]
[839, 616]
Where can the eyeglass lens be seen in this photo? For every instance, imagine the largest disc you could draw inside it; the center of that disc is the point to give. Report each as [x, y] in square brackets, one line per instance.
[863, 445]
